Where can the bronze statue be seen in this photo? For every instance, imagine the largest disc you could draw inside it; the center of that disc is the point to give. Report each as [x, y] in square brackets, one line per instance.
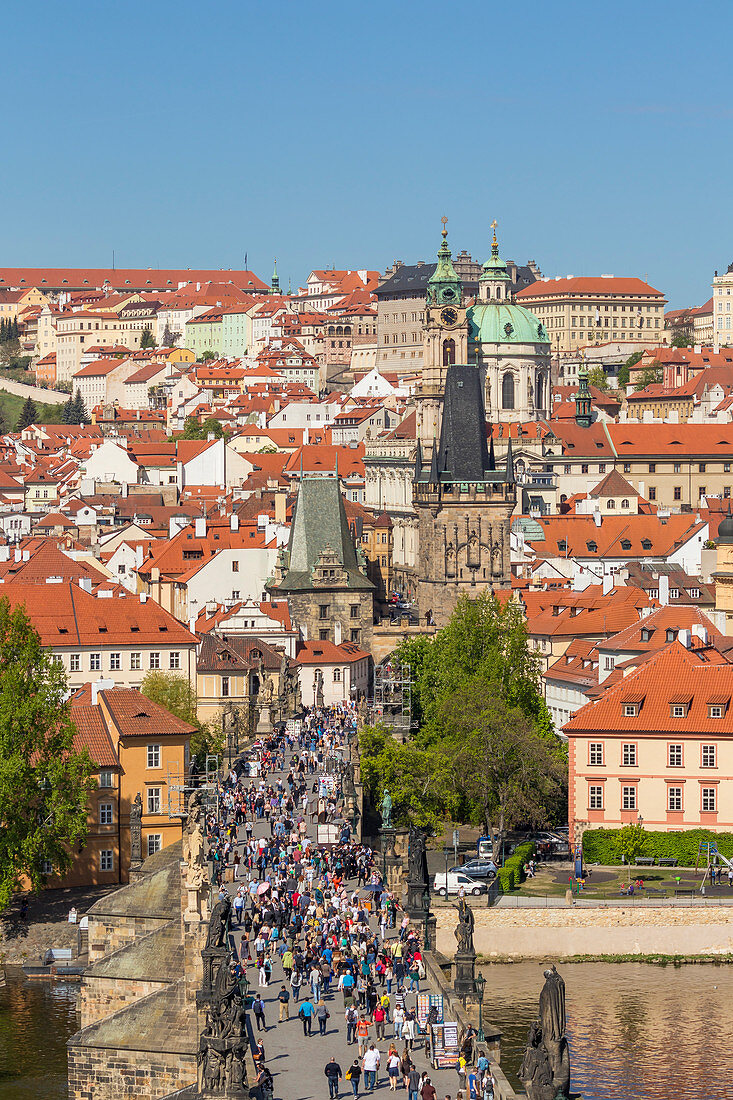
[219, 923]
[386, 811]
[546, 1065]
[416, 856]
[464, 928]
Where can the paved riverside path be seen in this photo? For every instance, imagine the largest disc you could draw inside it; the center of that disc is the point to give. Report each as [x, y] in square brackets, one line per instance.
[296, 1061]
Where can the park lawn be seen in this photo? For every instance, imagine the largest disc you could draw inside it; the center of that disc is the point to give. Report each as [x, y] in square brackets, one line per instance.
[658, 878]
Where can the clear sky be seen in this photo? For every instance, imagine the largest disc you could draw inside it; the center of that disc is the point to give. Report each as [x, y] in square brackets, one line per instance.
[338, 133]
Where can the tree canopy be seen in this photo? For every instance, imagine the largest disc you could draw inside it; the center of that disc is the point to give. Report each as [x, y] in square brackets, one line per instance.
[28, 415]
[146, 338]
[597, 377]
[44, 781]
[176, 694]
[193, 430]
[485, 749]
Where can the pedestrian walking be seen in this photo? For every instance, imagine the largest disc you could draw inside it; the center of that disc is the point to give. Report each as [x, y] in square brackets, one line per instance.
[323, 1016]
[258, 1008]
[333, 1075]
[284, 1000]
[370, 1065]
[393, 1070]
[306, 1013]
[353, 1074]
[351, 1017]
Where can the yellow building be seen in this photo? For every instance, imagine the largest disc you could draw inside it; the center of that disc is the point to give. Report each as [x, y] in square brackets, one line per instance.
[577, 311]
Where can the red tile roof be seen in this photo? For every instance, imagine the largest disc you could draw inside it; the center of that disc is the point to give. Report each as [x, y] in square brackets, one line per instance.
[595, 285]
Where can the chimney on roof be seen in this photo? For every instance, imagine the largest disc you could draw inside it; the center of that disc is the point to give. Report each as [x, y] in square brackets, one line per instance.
[663, 589]
[597, 518]
[143, 597]
[199, 527]
[234, 522]
[100, 685]
[685, 638]
[85, 583]
[607, 583]
[699, 632]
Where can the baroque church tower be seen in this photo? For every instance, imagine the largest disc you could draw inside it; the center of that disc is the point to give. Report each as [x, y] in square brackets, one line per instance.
[463, 502]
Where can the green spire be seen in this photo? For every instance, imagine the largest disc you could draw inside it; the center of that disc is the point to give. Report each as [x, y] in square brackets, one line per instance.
[495, 269]
[444, 286]
[275, 288]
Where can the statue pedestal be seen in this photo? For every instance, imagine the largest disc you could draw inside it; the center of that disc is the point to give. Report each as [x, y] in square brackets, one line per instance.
[415, 904]
[464, 981]
[431, 941]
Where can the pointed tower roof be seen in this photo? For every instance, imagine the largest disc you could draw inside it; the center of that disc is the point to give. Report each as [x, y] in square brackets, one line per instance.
[510, 479]
[275, 288]
[320, 526]
[463, 453]
[495, 269]
[444, 286]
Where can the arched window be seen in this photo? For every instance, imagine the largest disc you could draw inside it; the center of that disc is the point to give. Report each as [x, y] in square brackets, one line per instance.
[449, 352]
[347, 330]
[339, 330]
[498, 292]
[624, 503]
[331, 330]
[337, 675]
[507, 392]
[540, 390]
[611, 503]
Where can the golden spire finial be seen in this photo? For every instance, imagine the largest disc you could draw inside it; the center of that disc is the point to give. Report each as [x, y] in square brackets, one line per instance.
[493, 226]
[445, 222]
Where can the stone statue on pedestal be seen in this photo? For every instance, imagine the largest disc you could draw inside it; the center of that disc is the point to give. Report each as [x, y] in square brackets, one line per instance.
[464, 928]
[416, 857]
[223, 1042]
[219, 923]
[194, 855]
[136, 833]
[545, 1069]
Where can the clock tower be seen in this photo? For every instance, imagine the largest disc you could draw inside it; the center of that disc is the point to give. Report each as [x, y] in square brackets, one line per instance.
[445, 341]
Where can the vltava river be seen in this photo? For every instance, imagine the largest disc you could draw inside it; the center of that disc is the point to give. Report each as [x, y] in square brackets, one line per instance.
[36, 1019]
[636, 1032]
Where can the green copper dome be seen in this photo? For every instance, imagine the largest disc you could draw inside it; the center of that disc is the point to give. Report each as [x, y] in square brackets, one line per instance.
[504, 323]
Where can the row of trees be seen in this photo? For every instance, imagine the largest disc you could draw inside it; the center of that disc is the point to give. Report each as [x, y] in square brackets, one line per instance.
[74, 411]
[485, 751]
[9, 329]
[192, 429]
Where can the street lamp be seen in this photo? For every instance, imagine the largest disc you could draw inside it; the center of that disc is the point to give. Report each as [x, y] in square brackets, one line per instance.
[426, 907]
[480, 982]
[447, 852]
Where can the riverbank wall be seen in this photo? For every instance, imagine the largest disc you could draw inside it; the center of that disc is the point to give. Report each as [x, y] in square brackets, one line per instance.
[519, 933]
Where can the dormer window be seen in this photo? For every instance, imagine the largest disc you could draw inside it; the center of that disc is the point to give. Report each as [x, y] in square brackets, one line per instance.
[646, 633]
[670, 634]
[631, 710]
[715, 711]
[592, 546]
[646, 544]
[678, 710]
[562, 546]
[625, 544]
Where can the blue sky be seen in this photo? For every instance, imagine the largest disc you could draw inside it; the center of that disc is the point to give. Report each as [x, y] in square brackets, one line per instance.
[185, 134]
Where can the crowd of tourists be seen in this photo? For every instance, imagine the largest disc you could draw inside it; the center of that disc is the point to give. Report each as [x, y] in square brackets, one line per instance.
[323, 915]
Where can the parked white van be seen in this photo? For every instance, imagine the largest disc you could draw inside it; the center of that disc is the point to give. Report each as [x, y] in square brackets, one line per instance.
[452, 882]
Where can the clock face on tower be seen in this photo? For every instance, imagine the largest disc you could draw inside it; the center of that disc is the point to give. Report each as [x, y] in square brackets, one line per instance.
[449, 316]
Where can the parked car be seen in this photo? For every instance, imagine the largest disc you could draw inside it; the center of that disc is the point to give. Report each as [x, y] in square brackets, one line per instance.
[452, 882]
[478, 868]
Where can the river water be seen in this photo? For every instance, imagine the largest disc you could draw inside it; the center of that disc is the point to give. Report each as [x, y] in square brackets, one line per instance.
[636, 1032]
[36, 1019]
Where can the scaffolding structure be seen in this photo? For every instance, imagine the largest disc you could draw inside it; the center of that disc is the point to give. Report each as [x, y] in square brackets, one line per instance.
[181, 786]
[392, 703]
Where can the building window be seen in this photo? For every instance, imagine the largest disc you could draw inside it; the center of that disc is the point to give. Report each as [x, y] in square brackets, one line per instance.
[702, 467]
[106, 860]
[628, 755]
[609, 663]
[354, 637]
[95, 662]
[595, 798]
[652, 492]
[652, 467]
[354, 611]
[709, 803]
[174, 660]
[694, 593]
[153, 800]
[677, 467]
[155, 841]
[105, 813]
[674, 798]
[114, 662]
[105, 778]
[584, 468]
[709, 756]
[323, 635]
[225, 686]
[46, 867]
[627, 467]
[675, 756]
[135, 662]
[75, 662]
[323, 611]
[595, 752]
[235, 567]
[678, 492]
[628, 798]
[155, 660]
[153, 756]
[507, 392]
[679, 710]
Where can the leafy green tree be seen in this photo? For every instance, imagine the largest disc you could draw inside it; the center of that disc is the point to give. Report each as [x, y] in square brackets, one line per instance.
[597, 377]
[483, 640]
[206, 356]
[624, 375]
[28, 415]
[211, 425]
[192, 429]
[3, 421]
[176, 694]
[44, 782]
[633, 359]
[653, 373]
[146, 340]
[417, 780]
[630, 843]
[679, 340]
[502, 767]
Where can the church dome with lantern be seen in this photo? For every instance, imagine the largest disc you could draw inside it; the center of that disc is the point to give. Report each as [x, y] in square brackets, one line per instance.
[510, 344]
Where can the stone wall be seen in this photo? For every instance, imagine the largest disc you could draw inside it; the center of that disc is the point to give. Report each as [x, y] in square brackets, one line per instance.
[108, 934]
[614, 930]
[100, 997]
[127, 1074]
